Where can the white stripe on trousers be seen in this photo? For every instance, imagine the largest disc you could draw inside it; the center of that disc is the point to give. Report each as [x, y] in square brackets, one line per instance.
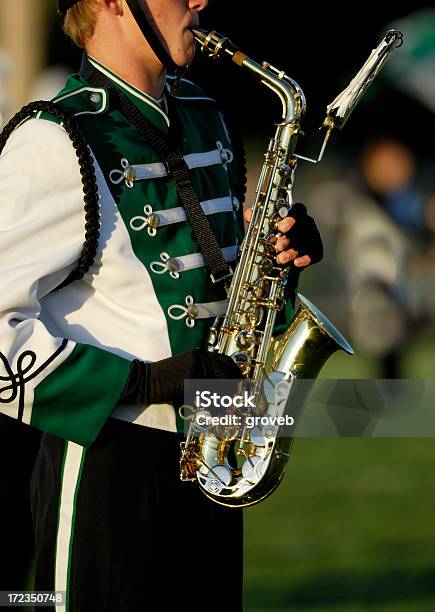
[69, 486]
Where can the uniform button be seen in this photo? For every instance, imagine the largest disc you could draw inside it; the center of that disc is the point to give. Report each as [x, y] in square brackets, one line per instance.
[173, 265]
[129, 174]
[192, 311]
[96, 98]
[153, 219]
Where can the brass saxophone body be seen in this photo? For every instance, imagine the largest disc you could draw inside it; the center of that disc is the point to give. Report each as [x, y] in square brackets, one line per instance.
[276, 366]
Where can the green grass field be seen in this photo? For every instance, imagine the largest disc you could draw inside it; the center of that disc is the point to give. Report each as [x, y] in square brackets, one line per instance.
[352, 527]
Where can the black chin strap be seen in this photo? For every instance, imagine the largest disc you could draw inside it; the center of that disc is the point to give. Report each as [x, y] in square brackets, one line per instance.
[152, 38]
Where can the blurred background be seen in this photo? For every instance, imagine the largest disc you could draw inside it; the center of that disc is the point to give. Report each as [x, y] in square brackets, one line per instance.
[353, 525]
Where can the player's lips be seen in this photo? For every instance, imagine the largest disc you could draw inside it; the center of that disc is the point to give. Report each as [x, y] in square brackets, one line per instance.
[193, 24]
[189, 30]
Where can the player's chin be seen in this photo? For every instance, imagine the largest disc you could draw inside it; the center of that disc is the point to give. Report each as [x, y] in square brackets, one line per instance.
[190, 52]
[189, 48]
[185, 58]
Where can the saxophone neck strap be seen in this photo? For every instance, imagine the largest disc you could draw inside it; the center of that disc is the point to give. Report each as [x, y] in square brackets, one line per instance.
[165, 146]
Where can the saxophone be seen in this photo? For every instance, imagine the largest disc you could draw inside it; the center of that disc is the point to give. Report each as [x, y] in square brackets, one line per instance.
[241, 465]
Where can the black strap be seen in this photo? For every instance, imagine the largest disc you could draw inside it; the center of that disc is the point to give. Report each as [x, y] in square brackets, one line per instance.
[179, 172]
[145, 26]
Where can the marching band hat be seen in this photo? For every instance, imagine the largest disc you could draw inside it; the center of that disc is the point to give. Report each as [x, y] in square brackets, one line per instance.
[64, 5]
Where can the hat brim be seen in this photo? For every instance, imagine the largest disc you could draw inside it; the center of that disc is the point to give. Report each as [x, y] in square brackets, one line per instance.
[64, 5]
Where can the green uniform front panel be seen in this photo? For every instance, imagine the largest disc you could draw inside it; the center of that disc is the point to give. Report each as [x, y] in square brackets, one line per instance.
[113, 139]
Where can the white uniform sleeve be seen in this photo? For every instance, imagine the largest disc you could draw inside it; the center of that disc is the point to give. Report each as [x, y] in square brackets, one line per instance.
[41, 238]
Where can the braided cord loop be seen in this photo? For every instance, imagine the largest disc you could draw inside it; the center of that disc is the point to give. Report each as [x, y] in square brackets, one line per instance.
[87, 171]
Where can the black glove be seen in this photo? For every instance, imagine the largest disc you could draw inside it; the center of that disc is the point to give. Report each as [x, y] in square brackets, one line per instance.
[304, 236]
[163, 381]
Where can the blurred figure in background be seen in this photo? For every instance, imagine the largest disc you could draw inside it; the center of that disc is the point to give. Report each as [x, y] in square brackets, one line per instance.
[388, 169]
[377, 223]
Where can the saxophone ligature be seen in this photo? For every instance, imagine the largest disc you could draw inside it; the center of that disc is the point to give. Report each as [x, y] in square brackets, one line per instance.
[241, 465]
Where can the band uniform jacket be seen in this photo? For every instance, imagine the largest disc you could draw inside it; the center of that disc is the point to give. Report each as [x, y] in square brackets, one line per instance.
[65, 355]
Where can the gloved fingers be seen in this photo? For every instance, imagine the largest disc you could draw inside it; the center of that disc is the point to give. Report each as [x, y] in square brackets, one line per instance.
[221, 366]
[298, 210]
[286, 225]
[310, 242]
[294, 257]
[163, 380]
[281, 243]
[287, 256]
[306, 240]
[296, 215]
[302, 262]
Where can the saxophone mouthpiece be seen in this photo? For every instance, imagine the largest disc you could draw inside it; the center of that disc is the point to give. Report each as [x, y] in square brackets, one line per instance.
[213, 43]
[200, 36]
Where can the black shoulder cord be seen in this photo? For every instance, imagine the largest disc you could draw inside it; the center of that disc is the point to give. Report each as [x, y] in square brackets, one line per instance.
[87, 171]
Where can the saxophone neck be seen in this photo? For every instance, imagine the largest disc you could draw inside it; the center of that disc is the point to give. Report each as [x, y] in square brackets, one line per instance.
[289, 92]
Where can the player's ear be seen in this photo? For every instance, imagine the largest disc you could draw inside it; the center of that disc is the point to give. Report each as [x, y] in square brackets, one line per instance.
[113, 6]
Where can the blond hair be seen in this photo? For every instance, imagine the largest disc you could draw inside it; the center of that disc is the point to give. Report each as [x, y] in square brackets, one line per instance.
[80, 20]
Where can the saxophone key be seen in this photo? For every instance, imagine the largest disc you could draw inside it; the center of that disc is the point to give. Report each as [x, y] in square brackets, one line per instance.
[246, 339]
[255, 315]
[253, 469]
[261, 288]
[256, 437]
[242, 359]
[217, 479]
[266, 266]
[269, 432]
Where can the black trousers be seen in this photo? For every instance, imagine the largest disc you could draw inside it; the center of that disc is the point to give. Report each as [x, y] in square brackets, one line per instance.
[19, 446]
[119, 531]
